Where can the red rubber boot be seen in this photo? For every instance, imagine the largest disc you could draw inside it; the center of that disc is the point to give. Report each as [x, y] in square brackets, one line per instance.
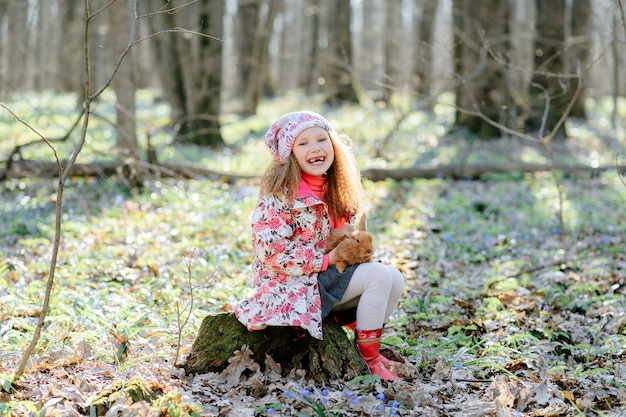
[388, 363]
[368, 342]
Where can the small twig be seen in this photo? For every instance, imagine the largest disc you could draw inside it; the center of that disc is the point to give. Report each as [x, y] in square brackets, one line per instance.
[546, 143]
[168, 11]
[189, 307]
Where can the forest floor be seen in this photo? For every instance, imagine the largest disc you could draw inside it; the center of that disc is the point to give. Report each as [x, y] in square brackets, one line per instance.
[515, 303]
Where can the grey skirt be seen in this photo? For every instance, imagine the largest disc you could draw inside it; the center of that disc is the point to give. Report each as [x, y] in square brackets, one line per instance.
[332, 285]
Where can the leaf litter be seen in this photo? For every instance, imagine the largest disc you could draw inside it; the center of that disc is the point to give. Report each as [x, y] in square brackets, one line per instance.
[500, 316]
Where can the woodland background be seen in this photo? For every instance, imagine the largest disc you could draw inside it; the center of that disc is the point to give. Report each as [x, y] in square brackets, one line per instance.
[491, 139]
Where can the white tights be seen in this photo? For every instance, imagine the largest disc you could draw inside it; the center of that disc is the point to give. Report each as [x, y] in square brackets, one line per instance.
[375, 289]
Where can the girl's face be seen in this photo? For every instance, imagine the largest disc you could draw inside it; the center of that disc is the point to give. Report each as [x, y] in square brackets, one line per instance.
[314, 151]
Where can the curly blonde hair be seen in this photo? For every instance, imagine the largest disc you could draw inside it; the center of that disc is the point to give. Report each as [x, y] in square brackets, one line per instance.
[343, 180]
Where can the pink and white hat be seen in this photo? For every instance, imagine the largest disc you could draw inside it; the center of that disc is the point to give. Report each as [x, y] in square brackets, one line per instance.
[283, 132]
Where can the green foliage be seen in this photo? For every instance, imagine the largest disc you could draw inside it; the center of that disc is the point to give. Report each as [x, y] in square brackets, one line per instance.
[12, 408]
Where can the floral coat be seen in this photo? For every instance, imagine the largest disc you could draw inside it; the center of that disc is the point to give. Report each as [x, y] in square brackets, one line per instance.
[288, 241]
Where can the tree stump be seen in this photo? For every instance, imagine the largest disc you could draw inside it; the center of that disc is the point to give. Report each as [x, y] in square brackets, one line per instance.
[220, 335]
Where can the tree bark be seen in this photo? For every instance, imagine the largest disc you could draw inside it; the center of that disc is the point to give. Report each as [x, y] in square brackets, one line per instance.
[67, 59]
[340, 81]
[480, 54]
[311, 71]
[259, 61]
[332, 359]
[392, 55]
[190, 67]
[18, 34]
[578, 54]
[245, 25]
[124, 86]
[424, 31]
[559, 50]
[203, 126]
[370, 48]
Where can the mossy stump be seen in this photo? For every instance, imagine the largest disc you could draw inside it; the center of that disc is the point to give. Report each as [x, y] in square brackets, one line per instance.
[334, 358]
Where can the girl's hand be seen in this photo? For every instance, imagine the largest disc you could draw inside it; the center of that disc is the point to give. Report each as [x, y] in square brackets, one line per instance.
[332, 257]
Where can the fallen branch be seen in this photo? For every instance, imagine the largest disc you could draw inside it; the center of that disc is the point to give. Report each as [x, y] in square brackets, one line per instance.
[27, 168]
[475, 171]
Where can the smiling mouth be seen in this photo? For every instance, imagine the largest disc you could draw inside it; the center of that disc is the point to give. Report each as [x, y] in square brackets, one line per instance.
[317, 160]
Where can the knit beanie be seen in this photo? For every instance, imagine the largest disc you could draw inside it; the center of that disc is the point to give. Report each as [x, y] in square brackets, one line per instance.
[283, 132]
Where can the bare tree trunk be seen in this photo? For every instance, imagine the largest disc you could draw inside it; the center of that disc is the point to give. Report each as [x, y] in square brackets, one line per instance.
[423, 63]
[100, 39]
[310, 50]
[578, 53]
[313, 69]
[123, 84]
[481, 54]
[557, 59]
[17, 43]
[70, 52]
[207, 128]
[392, 37]
[246, 24]
[370, 55]
[297, 45]
[4, 45]
[167, 63]
[190, 67]
[521, 62]
[43, 72]
[259, 60]
[615, 72]
[338, 63]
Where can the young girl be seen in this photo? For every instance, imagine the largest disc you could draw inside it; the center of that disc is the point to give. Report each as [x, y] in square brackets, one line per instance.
[314, 185]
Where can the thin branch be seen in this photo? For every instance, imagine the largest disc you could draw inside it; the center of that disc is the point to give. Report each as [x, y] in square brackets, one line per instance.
[167, 11]
[497, 125]
[41, 137]
[121, 57]
[16, 150]
[568, 109]
[133, 43]
[102, 9]
[188, 307]
[57, 238]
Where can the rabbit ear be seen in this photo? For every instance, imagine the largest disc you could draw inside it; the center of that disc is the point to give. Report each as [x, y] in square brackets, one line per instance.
[363, 223]
[348, 228]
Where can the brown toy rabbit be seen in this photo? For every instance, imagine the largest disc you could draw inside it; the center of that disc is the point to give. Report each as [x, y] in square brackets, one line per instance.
[353, 246]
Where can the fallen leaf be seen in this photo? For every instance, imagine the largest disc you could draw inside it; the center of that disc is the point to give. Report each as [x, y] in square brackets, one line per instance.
[237, 364]
[541, 393]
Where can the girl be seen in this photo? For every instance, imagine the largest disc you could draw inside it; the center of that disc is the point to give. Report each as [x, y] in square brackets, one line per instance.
[314, 185]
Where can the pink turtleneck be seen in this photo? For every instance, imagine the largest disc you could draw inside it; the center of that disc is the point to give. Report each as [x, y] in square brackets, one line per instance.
[316, 184]
[312, 184]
